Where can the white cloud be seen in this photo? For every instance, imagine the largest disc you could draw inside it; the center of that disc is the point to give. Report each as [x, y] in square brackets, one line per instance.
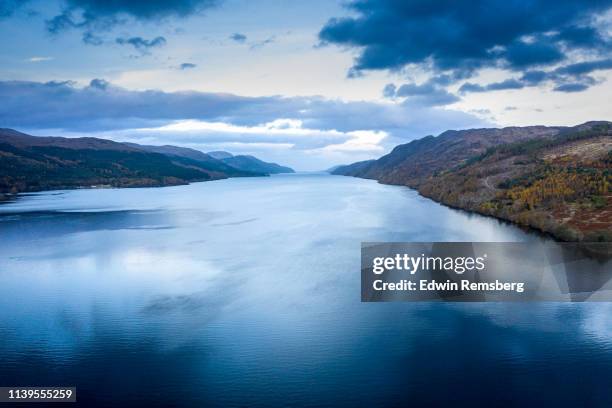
[279, 134]
[279, 127]
[39, 59]
[362, 141]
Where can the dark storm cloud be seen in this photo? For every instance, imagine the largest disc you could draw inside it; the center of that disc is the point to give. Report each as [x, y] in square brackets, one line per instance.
[521, 54]
[187, 65]
[140, 43]
[463, 37]
[582, 36]
[239, 38]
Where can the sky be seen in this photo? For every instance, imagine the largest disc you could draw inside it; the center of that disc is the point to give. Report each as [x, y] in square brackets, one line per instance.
[307, 84]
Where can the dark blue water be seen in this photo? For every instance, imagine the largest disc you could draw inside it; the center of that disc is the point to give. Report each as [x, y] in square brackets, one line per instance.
[245, 292]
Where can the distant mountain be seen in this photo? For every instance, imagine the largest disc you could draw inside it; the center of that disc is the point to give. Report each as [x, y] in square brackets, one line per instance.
[333, 168]
[221, 160]
[32, 163]
[203, 160]
[357, 169]
[250, 163]
[220, 155]
[555, 179]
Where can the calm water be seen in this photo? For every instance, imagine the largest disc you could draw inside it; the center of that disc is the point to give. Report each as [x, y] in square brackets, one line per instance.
[245, 292]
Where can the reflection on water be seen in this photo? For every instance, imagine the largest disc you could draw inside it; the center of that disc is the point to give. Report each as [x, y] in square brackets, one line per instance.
[245, 292]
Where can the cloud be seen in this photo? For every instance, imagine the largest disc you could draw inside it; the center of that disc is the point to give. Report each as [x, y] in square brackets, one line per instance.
[426, 94]
[100, 84]
[574, 87]
[39, 59]
[100, 106]
[495, 86]
[63, 22]
[286, 132]
[429, 93]
[582, 68]
[92, 39]
[141, 44]
[534, 77]
[539, 42]
[391, 34]
[389, 91]
[239, 38]
[187, 65]
[522, 54]
[97, 15]
[262, 43]
[9, 7]
[470, 87]
[568, 78]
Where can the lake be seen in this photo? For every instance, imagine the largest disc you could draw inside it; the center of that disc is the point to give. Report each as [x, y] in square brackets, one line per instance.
[246, 292]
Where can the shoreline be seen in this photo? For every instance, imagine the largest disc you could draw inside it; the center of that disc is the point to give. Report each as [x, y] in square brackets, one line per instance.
[4, 196]
[525, 227]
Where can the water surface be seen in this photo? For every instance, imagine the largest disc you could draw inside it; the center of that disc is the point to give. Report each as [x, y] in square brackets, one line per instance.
[245, 292]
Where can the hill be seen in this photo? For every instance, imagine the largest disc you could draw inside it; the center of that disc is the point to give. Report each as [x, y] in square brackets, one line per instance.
[203, 160]
[220, 155]
[32, 163]
[413, 162]
[555, 179]
[222, 160]
[251, 163]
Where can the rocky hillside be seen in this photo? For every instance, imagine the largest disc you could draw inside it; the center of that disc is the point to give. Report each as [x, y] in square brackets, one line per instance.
[555, 179]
